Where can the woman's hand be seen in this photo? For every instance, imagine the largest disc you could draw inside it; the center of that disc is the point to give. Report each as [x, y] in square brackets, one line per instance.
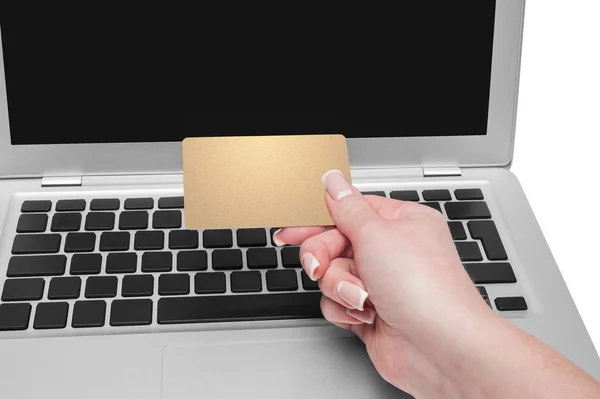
[390, 273]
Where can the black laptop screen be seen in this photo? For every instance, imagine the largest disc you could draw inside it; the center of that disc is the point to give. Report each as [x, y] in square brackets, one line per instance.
[427, 75]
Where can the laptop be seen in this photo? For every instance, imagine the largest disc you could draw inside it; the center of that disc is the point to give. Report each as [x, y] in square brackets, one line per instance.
[106, 294]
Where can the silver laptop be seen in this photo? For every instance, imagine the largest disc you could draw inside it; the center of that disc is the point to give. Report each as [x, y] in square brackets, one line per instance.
[106, 294]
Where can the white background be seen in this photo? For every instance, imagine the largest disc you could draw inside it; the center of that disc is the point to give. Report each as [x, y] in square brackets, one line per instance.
[557, 150]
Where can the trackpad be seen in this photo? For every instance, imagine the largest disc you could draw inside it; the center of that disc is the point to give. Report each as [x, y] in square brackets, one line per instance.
[328, 368]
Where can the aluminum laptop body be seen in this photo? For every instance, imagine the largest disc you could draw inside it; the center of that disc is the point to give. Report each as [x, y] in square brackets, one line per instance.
[291, 358]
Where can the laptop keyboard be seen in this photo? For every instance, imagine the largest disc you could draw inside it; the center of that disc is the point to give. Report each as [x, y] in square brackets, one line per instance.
[110, 263]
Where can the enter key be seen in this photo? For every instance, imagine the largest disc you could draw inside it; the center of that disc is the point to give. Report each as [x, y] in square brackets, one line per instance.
[487, 232]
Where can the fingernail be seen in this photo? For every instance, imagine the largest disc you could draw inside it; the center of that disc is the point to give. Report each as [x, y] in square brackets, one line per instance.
[310, 264]
[366, 316]
[353, 294]
[336, 184]
[278, 241]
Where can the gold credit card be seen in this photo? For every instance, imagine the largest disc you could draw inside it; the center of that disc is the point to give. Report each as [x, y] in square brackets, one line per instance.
[259, 181]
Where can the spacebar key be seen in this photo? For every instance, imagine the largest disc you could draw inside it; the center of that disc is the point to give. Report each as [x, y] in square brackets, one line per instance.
[221, 308]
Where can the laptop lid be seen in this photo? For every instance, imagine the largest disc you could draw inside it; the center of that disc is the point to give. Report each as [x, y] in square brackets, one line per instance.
[436, 89]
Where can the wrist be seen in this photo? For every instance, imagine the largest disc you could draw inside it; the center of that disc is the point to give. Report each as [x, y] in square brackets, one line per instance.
[458, 354]
[484, 356]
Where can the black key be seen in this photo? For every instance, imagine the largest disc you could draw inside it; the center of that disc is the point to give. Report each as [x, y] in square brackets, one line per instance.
[174, 284]
[467, 210]
[153, 262]
[100, 221]
[490, 273]
[273, 230]
[282, 280]
[490, 238]
[139, 203]
[138, 285]
[36, 244]
[148, 240]
[166, 220]
[131, 312]
[246, 282]
[407, 195]
[183, 239]
[32, 223]
[251, 238]
[484, 295]
[66, 222]
[133, 220]
[434, 205]
[457, 230]
[377, 193]
[510, 303]
[436, 195]
[290, 257]
[192, 261]
[121, 263]
[210, 309]
[170, 203]
[70, 205]
[114, 241]
[88, 314]
[217, 238]
[468, 194]
[51, 315]
[261, 258]
[209, 283]
[307, 283]
[23, 289]
[14, 316]
[64, 288]
[101, 287]
[36, 206]
[80, 242]
[42, 265]
[227, 259]
[86, 264]
[468, 251]
[487, 300]
[105, 204]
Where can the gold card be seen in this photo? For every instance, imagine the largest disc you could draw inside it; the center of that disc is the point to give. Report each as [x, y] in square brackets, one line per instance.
[259, 181]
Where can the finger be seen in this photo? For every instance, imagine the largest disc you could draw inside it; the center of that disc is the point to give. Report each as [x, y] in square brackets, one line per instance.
[389, 208]
[297, 235]
[348, 208]
[343, 287]
[317, 252]
[367, 315]
[336, 314]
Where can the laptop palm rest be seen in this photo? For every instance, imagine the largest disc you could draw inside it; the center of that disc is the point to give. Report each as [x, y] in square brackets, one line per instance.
[323, 368]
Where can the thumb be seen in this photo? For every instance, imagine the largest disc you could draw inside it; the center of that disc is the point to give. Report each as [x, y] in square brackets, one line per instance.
[348, 208]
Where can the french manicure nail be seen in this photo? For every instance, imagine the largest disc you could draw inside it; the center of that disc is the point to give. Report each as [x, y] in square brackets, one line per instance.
[352, 294]
[366, 316]
[310, 264]
[278, 241]
[336, 184]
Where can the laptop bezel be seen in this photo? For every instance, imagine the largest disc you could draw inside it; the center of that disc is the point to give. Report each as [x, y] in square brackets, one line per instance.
[493, 149]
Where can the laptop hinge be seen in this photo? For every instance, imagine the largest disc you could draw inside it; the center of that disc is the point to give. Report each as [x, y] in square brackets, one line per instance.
[386, 173]
[58, 181]
[441, 172]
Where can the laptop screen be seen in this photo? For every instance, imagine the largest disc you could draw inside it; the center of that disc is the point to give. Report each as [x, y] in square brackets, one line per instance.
[427, 75]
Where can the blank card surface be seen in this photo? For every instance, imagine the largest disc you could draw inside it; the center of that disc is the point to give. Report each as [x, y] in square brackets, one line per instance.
[259, 181]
